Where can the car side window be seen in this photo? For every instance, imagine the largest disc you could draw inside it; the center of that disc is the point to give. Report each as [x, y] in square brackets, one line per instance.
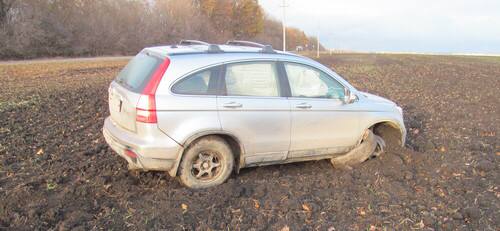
[309, 82]
[199, 83]
[252, 79]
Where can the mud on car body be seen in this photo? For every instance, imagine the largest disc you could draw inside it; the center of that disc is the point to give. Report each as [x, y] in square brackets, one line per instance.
[201, 111]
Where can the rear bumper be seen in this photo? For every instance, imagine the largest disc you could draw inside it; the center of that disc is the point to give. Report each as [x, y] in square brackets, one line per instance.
[155, 151]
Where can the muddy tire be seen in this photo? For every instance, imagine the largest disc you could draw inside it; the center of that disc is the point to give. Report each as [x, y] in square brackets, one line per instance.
[371, 146]
[206, 163]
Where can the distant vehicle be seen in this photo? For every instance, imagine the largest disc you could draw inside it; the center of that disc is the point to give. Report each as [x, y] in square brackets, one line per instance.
[200, 111]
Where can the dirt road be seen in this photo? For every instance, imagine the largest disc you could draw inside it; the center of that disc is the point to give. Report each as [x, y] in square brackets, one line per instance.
[58, 173]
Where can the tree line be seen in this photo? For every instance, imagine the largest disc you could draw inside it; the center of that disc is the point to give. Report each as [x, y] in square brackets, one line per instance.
[47, 28]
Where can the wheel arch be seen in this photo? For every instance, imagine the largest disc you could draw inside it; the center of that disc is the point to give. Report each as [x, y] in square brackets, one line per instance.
[235, 144]
[391, 131]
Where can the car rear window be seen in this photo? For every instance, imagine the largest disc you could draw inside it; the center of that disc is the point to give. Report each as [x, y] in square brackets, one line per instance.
[136, 74]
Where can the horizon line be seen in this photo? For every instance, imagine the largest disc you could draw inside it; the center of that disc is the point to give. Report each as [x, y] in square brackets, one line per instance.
[408, 52]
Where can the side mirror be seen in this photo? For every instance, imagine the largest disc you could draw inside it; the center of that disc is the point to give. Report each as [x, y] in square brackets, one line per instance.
[349, 97]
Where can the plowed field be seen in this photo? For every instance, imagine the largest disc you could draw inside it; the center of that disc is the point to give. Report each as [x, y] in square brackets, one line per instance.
[57, 172]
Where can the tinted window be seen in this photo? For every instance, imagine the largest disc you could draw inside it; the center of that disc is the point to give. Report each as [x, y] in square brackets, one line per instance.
[201, 83]
[252, 79]
[135, 75]
[309, 82]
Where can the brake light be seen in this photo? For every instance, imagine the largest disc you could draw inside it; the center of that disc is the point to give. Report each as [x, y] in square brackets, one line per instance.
[147, 115]
[146, 107]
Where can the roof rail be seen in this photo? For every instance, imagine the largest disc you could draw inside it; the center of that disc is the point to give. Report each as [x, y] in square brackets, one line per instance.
[244, 43]
[265, 48]
[193, 42]
[212, 48]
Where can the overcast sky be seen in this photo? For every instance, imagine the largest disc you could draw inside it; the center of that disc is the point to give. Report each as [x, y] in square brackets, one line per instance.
[459, 26]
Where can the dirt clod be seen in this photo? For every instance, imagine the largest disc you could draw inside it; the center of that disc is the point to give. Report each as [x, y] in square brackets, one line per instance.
[485, 165]
[457, 216]
[472, 213]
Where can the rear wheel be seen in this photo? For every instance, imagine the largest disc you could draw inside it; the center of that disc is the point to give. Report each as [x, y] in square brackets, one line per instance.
[207, 162]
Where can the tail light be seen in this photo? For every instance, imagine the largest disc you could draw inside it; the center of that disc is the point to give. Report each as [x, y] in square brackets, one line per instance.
[146, 107]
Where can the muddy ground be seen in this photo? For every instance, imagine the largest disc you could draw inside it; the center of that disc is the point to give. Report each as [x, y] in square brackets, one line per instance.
[58, 173]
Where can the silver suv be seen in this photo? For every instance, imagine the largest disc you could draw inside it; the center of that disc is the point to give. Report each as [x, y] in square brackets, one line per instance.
[200, 111]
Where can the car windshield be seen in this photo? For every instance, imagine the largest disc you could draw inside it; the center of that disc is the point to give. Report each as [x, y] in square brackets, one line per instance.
[137, 72]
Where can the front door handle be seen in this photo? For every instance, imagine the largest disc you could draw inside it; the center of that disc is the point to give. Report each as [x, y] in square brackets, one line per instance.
[232, 105]
[303, 105]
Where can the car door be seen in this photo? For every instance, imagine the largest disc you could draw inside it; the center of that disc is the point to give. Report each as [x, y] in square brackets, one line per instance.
[322, 124]
[252, 109]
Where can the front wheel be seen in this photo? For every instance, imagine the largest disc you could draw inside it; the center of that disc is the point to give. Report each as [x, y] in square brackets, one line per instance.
[207, 162]
[371, 146]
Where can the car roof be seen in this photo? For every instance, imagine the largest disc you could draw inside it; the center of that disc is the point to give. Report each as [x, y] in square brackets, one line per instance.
[174, 50]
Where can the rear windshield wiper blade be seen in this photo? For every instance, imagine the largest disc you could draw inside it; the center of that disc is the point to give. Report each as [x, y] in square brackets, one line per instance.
[121, 82]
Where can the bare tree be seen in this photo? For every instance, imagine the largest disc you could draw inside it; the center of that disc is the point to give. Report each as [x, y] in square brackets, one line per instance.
[5, 6]
[34, 28]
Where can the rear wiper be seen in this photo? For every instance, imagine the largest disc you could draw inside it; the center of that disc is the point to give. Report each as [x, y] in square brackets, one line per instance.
[127, 85]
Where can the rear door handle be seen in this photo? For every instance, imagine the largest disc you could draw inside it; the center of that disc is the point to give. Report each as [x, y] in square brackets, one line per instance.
[303, 105]
[232, 105]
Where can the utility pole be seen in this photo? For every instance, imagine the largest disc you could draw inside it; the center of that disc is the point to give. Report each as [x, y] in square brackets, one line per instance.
[284, 5]
[317, 45]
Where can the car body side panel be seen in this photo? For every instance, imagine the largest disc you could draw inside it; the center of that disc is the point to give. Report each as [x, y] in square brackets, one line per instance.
[180, 117]
[262, 124]
[329, 126]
